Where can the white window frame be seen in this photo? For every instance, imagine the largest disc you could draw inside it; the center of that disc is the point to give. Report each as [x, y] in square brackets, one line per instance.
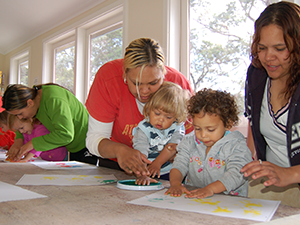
[177, 35]
[15, 61]
[104, 20]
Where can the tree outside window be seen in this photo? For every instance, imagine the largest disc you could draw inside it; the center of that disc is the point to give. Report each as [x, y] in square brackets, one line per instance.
[104, 48]
[65, 66]
[220, 38]
[23, 73]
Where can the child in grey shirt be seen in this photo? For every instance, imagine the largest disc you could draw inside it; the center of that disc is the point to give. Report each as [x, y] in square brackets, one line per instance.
[211, 157]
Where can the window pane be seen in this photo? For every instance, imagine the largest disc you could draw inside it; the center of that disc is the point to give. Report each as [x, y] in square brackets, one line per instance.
[23, 73]
[105, 48]
[64, 66]
[220, 40]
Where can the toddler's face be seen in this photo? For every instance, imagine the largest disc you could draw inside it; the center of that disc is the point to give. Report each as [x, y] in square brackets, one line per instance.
[209, 128]
[4, 127]
[23, 127]
[160, 119]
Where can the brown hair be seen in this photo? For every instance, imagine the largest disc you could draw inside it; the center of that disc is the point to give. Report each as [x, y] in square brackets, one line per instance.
[218, 102]
[285, 15]
[16, 95]
[4, 117]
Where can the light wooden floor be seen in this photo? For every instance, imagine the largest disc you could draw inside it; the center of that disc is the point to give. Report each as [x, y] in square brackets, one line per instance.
[96, 204]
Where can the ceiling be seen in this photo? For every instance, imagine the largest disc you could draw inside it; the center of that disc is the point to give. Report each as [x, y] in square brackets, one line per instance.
[23, 20]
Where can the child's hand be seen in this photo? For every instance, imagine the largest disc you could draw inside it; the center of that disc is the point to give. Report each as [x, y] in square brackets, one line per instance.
[200, 193]
[144, 180]
[177, 191]
[154, 168]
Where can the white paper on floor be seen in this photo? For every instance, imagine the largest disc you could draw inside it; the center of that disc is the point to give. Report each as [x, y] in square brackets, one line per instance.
[218, 205]
[10, 192]
[66, 180]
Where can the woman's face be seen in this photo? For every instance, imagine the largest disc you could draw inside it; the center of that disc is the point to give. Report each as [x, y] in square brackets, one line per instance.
[273, 53]
[142, 87]
[27, 112]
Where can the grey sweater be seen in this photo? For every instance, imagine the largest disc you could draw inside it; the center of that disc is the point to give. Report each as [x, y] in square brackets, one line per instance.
[223, 162]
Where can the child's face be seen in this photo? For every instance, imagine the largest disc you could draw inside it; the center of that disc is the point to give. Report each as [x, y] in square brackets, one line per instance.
[209, 128]
[4, 127]
[23, 127]
[161, 120]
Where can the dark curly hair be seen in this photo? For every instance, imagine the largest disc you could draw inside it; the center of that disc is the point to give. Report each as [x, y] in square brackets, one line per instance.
[216, 102]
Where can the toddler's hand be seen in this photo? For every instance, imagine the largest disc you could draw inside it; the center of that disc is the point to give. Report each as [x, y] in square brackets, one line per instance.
[177, 191]
[154, 168]
[200, 193]
[144, 180]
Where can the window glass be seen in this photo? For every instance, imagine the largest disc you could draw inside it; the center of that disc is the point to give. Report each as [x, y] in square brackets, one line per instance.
[220, 37]
[23, 73]
[65, 66]
[104, 48]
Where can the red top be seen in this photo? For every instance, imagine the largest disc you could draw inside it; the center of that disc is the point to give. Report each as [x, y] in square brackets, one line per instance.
[110, 100]
[6, 139]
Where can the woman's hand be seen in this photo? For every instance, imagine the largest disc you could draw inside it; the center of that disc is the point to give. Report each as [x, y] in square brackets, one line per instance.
[24, 149]
[133, 161]
[278, 176]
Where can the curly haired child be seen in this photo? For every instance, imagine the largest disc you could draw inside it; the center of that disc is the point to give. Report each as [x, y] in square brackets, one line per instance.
[162, 129]
[211, 157]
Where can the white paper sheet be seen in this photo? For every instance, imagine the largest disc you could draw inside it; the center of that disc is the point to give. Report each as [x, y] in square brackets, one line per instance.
[63, 165]
[217, 205]
[65, 180]
[10, 192]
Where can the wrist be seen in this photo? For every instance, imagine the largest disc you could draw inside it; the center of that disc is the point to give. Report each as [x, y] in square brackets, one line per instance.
[175, 183]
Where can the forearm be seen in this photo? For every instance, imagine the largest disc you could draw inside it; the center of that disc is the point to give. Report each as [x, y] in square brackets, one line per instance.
[17, 143]
[110, 149]
[217, 187]
[175, 177]
[292, 175]
[164, 156]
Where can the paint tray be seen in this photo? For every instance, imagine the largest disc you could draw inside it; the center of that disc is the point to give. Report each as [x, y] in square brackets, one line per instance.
[130, 185]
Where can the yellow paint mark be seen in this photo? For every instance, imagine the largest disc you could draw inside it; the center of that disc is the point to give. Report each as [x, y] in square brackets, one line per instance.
[207, 201]
[219, 209]
[50, 178]
[250, 204]
[82, 175]
[253, 211]
[97, 177]
[76, 178]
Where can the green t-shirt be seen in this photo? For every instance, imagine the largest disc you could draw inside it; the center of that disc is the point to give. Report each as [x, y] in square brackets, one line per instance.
[64, 116]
